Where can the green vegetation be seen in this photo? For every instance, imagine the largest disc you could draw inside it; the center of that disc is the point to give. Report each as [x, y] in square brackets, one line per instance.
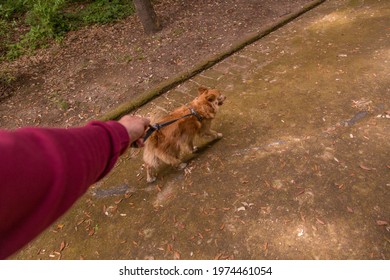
[26, 25]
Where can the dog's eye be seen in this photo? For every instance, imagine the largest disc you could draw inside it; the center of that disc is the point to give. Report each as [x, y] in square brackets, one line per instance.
[211, 98]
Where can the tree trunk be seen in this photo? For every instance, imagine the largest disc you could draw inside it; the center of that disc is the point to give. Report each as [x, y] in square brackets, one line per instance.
[147, 15]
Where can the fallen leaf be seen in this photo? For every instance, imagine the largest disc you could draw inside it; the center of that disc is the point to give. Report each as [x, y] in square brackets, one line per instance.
[381, 223]
[127, 195]
[176, 256]
[265, 248]
[349, 209]
[222, 227]
[320, 221]
[91, 232]
[300, 192]
[62, 246]
[241, 209]
[118, 201]
[362, 166]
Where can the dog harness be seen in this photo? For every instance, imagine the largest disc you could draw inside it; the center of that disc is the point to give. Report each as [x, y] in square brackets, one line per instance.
[158, 126]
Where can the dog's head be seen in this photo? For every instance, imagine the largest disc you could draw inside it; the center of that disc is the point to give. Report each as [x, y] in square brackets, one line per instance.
[212, 96]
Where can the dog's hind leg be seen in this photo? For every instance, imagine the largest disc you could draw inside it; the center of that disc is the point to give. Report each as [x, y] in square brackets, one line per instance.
[169, 159]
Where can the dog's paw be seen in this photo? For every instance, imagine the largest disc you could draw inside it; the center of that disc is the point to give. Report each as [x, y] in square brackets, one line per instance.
[151, 179]
[182, 165]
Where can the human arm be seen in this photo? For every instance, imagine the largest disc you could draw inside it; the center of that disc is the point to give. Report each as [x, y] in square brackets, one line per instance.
[43, 171]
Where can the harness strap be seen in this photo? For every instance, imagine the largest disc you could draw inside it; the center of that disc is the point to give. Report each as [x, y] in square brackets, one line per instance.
[158, 126]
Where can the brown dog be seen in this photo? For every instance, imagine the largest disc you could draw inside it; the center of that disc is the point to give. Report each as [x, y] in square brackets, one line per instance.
[169, 143]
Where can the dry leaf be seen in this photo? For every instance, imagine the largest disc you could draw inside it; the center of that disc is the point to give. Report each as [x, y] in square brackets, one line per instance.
[320, 221]
[349, 209]
[127, 195]
[300, 192]
[265, 248]
[91, 232]
[381, 223]
[362, 166]
[176, 256]
[62, 246]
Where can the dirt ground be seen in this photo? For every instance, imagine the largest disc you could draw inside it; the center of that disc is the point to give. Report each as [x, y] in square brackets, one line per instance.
[95, 69]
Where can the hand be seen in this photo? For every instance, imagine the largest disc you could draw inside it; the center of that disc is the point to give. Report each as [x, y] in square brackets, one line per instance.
[136, 127]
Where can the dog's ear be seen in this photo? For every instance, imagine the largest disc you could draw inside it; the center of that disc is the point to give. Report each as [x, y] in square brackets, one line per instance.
[202, 90]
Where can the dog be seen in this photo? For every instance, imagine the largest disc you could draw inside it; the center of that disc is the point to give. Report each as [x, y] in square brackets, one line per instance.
[169, 143]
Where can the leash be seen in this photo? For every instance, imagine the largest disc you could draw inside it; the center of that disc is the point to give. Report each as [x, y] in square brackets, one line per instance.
[158, 126]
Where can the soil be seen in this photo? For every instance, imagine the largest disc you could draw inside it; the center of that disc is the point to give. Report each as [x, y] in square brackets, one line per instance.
[95, 69]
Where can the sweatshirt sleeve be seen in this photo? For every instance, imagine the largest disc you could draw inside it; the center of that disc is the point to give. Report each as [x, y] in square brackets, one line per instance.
[43, 171]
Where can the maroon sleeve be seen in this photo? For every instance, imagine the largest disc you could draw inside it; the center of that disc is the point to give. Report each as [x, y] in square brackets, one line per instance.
[44, 171]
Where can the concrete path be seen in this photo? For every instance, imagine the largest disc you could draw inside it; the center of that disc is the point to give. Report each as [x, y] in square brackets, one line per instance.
[303, 170]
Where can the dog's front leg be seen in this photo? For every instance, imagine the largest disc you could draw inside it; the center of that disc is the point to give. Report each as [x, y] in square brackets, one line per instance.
[150, 174]
[213, 134]
[206, 131]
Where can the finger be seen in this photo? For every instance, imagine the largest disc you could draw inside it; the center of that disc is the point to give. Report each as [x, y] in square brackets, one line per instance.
[138, 143]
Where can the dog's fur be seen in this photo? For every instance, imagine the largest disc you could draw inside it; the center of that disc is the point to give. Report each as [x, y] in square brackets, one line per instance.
[169, 143]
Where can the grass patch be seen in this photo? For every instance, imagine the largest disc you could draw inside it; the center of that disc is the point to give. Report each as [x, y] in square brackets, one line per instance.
[26, 25]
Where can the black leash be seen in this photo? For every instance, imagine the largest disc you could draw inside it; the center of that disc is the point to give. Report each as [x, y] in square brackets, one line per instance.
[158, 126]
